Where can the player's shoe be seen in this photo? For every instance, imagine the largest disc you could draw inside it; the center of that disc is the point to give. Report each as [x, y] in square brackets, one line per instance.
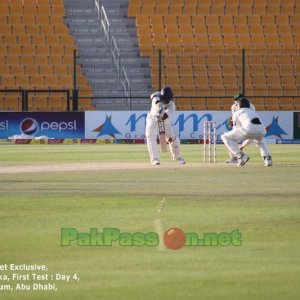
[232, 161]
[268, 161]
[181, 161]
[155, 162]
[242, 159]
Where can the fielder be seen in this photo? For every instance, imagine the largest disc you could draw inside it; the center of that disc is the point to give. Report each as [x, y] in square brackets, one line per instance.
[162, 109]
[250, 127]
[234, 108]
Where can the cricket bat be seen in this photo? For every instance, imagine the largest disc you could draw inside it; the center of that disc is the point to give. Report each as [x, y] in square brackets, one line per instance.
[162, 136]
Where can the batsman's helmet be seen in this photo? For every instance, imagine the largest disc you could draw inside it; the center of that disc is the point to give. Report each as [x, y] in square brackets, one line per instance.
[243, 102]
[166, 94]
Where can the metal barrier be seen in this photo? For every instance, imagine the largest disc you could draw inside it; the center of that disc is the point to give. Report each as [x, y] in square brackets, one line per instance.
[25, 94]
[112, 44]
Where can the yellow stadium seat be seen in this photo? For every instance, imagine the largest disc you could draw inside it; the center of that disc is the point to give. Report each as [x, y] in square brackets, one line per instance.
[61, 70]
[42, 50]
[273, 9]
[161, 9]
[8, 82]
[22, 82]
[14, 50]
[203, 8]
[32, 29]
[231, 9]
[41, 60]
[245, 8]
[286, 103]
[18, 29]
[46, 70]
[57, 49]
[133, 11]
[30, 3]
[66, 82]
[42, 20]
[38, 40]
[287, 7]
[27, 60]
[28, 50]
[5, 70]
[56, 20]
[67, 40]
[217, 9]
[67, 59]
[10, 40]
[189, 10]
[3, 20]
[58, 10]
[52, 39]
[4, 10]
[175, 9]
[17, 70]
[51, 82]
[37, 81]
[147, 10]
[31, 70]
[16, 10]
[44, 10]
[30, 10]
[61, 30]
[199, 104]
[16, 2]
[29, 19]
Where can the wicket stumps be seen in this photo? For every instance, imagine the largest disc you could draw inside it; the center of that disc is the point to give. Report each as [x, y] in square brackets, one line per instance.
[209, 142]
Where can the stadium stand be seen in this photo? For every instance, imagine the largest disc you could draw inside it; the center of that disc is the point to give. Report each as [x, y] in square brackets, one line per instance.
[202, 42]
[37, 54]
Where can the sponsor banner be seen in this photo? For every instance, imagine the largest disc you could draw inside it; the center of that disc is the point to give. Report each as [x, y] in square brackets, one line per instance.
[55, 141]
[130, 141]
[58, 141]
[96, 141]
[285, 141]
[23, 141]
[198, 141]
[57, 125]
[187, 124]
[297, 125]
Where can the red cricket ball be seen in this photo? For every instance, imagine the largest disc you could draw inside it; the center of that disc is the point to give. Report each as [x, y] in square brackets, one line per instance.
[174, 238]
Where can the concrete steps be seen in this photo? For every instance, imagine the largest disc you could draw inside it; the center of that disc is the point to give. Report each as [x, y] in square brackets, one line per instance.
[96, 57]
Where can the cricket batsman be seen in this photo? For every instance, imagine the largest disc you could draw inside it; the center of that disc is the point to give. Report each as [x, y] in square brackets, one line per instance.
[249, 127]
[159, 122]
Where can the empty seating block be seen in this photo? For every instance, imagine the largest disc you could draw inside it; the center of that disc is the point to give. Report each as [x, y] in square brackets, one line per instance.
[215, 26]
[36, 51]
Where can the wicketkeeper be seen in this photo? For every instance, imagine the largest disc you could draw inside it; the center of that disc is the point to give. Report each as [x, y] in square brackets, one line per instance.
[159, 122]
[234, 108]
[250, 127]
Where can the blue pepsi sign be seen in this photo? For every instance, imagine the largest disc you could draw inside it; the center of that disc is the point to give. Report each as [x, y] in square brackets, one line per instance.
[35, 124]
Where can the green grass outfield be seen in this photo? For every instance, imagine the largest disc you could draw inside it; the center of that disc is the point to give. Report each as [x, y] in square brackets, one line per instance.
[263, 203]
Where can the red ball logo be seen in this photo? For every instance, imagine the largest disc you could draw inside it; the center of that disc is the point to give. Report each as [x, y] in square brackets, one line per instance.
[174, 238]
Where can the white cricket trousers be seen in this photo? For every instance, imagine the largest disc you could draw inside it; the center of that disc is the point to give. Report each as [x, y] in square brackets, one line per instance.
[253, 132]
[151, 136]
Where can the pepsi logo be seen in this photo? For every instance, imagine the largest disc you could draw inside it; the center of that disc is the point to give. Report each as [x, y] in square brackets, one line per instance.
[29, 126]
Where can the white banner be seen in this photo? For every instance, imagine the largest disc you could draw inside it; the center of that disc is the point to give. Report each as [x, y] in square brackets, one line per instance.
[187, 124]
